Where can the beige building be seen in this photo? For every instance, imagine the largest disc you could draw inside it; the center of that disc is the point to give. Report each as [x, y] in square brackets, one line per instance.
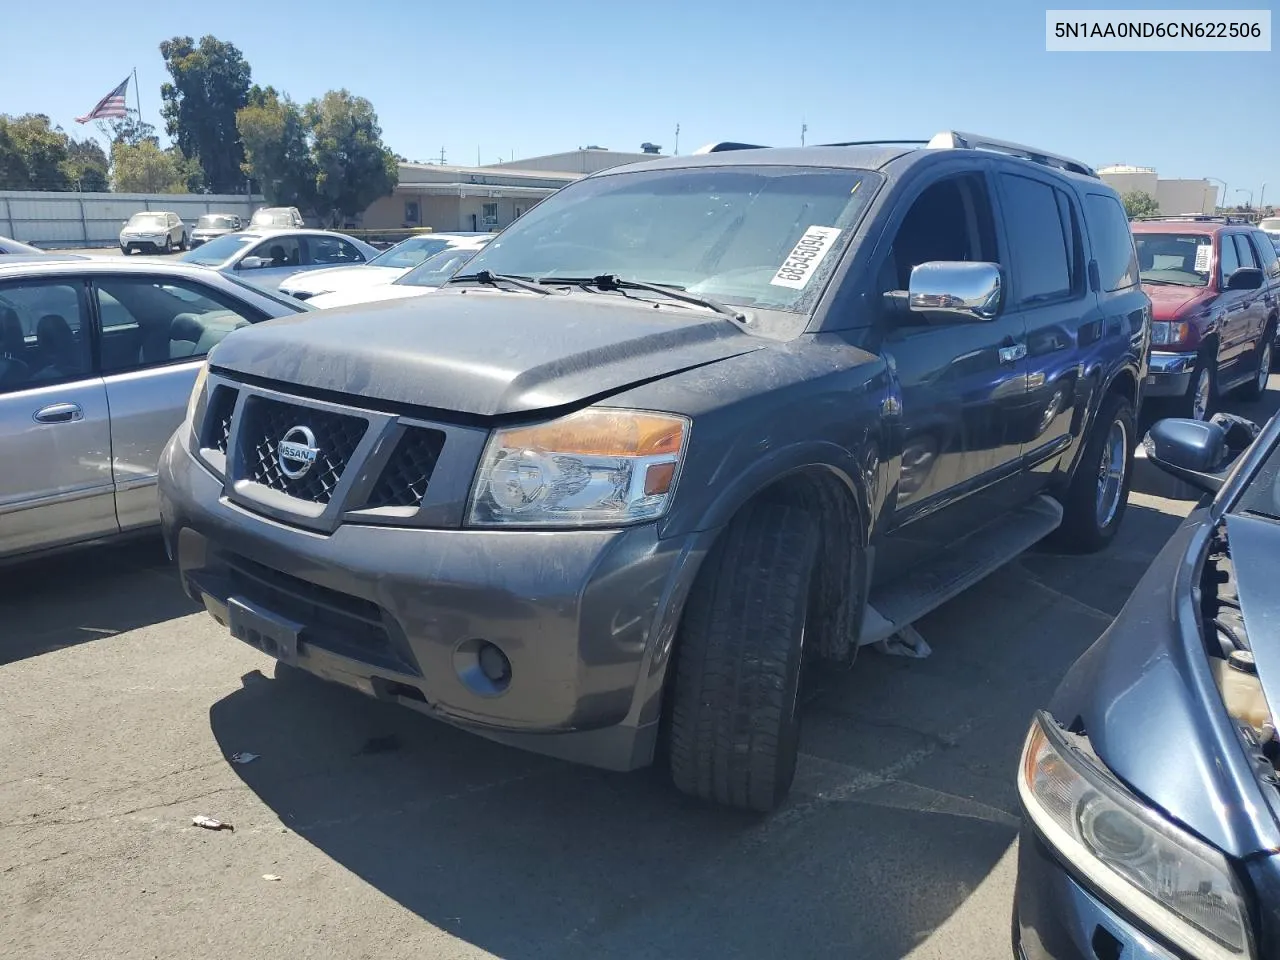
[447, 198]
[1174, 197]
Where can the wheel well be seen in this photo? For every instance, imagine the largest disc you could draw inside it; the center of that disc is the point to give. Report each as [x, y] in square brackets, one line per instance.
[1126, 385]
[839, 580]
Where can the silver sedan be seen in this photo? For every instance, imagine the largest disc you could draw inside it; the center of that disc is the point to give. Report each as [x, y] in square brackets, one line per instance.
[266, 256]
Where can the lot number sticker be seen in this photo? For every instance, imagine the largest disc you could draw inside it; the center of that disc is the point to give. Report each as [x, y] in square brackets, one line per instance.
[802, 262]
[1204, 253]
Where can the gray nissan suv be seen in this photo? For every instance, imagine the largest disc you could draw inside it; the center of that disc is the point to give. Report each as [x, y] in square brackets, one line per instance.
[683, 430]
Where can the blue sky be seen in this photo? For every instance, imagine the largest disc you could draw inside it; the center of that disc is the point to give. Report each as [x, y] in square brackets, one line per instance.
[526, 78]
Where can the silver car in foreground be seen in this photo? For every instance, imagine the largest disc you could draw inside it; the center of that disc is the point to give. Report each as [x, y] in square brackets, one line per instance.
[265, 257]
[98, 358]
[16, 248]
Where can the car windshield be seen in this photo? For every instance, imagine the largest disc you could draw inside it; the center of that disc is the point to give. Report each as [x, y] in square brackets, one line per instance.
[1184, 259]
[434, 271]
[409, 253]
[760, 236]
[148, 220]
[216, 251]
[216, 222]
[269, 218]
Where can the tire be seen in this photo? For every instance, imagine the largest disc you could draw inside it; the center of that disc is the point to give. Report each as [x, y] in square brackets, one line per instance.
[1255, 388]
[184, 244]
[168, 245]
[1088, 526]
[124, 251]
[734, 730]
[1205, 370]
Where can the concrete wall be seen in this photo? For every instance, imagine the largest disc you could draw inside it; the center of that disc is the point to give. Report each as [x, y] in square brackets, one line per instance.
[69, 220]
[1144, 181]
[1186, 196]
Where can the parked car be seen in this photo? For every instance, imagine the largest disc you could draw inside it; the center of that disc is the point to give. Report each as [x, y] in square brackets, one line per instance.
[379, 271]
[14, 248]
[1270, 226]
[651, 449]
[97, 361]
[1149, 784]
[287, 217]
[266, 257]
[214, 225]
[426, 277]
[158, 231]
[1214, 284]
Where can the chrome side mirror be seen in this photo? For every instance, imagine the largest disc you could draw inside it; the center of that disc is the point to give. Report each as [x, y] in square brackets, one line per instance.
[968, 291]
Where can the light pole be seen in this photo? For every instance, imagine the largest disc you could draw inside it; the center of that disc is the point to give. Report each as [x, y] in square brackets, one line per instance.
[1250, 193]
[1224, 191]
[1262, 193]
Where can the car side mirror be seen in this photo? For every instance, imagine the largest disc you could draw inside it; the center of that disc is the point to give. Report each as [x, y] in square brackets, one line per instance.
[253, 263]
[1199, 452]
[959, 289]
[1246, 278]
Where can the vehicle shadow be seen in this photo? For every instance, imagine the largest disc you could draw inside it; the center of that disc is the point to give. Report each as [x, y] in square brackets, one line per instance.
[904, 802]
[59, 601]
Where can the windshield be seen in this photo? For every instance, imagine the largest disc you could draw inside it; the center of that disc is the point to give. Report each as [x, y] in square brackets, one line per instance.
[216, 222]
[434, 271]
[409, 253]
[216, 251]
[148, 220]
[269, 218]
[752, 235]
[1184, 259]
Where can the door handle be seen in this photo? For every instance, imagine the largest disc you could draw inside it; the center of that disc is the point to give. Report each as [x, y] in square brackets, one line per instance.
[59, 413]
[1013, 352]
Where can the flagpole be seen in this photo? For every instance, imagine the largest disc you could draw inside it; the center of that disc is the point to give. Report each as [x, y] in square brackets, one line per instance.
[137, 96]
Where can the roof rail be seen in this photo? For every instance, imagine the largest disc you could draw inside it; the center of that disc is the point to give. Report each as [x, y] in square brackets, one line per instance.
[724, 145]
[875, 143]
[954, 139]
[1196, 218]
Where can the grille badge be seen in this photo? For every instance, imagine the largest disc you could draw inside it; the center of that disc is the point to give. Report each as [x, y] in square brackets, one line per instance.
[296, 452]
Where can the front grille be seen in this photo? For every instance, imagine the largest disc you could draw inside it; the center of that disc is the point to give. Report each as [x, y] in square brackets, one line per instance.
[346, 625]
[217, 420]
[408, 471]
[264, 425]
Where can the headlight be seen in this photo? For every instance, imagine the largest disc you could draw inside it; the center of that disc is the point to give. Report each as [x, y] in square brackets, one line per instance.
[1166, 331]
[1172, 881]
[197, 391]
[597, 467]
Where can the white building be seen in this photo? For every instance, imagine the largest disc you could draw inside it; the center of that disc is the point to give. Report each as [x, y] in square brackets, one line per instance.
[1174, 197]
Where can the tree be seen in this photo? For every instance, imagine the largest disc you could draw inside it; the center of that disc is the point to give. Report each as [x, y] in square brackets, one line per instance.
[144, 168]
[353, 168]
[277, 149]
[210, 84]
[1139, 203]
[33, 153]
[86, 166]
[128, 129]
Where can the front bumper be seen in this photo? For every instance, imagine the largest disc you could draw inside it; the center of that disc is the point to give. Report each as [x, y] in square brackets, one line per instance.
[1055, 918]
[586, 618]
[1169, 374]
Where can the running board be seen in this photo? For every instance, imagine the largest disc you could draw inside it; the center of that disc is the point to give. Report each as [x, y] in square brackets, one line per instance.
[899, 604]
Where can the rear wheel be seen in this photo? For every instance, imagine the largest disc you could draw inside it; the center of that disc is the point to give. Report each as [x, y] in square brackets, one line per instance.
[734, 731]
[1255, 388]
[1095, 502]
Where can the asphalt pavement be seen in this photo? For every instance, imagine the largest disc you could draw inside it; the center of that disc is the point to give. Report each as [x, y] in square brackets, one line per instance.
[365, 830]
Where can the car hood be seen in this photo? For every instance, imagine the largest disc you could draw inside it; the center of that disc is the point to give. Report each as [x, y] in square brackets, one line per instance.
[1171, 302]
[1255, 559]
[484, 352]
[333, 279]
[1146, 699]
[367, 294]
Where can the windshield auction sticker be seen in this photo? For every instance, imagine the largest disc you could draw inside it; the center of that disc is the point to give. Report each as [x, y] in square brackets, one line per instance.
[802, 262]
[1204, 255]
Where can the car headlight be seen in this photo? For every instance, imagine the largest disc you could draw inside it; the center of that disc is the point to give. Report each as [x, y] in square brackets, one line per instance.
[596, 467]
[197, 391]
[1167, 331]
[1170, 880]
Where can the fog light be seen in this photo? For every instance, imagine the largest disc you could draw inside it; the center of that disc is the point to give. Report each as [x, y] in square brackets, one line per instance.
[495, 665]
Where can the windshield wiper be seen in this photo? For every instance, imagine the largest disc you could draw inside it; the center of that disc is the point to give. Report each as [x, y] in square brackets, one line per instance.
[611, 281]
[497, 279]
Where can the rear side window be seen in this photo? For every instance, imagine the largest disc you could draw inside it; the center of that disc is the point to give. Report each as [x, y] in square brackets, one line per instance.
[333, 250]
[1267, 252]
[43, 336]
[1244, 250]
[1112, 242]
[1038, 239]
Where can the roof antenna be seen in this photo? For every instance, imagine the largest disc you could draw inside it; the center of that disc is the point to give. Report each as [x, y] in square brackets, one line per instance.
[677, 150]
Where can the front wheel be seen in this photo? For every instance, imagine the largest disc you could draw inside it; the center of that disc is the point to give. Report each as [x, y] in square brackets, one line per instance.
[184, 244]
[1202, 392]
[734, 732]
[1095, 502]
[168, 244]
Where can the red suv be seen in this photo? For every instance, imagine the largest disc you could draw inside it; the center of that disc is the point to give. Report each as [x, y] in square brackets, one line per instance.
[1214, 284]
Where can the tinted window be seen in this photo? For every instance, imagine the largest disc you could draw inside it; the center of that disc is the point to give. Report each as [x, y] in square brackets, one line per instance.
[1227, 256]
[146, 322]
[280, 251]
[1244, 250]
[333, 250]
[1267, 253]
[1037, 239]
[1113, 246]
[43, 337]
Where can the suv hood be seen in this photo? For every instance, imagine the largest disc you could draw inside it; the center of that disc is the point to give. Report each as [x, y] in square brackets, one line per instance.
[483, 352]
[1171, 302]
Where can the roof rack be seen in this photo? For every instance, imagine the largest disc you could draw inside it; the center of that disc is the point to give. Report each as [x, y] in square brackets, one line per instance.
[724, 145]
[875, 143]
[954, 139]
[1196, 218]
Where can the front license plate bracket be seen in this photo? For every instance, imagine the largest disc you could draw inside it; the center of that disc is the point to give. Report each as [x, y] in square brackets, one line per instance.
[271, 633]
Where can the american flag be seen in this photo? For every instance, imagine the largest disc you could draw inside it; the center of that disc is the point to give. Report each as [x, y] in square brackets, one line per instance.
[112, 105]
